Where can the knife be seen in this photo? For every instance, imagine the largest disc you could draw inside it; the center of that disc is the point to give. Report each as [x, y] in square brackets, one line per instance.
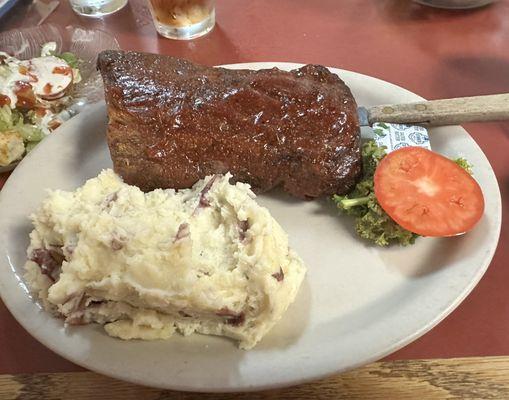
[439, 112]
[401, 125]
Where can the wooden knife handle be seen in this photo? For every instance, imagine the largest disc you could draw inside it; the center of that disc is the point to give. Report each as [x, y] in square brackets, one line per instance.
[444, 112]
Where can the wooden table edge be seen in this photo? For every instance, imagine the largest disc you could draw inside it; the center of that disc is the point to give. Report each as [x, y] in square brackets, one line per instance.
[462, 378]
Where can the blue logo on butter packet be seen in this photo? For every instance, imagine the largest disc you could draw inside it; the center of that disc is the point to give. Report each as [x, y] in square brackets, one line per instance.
[401, 145]
[418, 138]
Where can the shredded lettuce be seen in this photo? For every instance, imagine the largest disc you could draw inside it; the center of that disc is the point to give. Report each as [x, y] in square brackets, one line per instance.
[13, 120]
[4, 71]
[30, 133]
[30, 146]
[5, 118]
[69, 58]
[9, 118]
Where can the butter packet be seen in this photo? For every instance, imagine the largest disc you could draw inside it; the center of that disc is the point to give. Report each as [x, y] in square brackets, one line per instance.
[396, 136]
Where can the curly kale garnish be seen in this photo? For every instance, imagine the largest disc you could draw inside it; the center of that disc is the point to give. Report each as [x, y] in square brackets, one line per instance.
[463, 163]
[372, 222]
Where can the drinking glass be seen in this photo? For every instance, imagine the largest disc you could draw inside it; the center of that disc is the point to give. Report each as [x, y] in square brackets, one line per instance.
[455, 4]
[96, 8]
[183, 19]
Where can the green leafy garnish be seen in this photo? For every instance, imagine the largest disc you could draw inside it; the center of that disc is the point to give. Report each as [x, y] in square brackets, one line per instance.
[69, 58]
[463, 163]
[371, 221]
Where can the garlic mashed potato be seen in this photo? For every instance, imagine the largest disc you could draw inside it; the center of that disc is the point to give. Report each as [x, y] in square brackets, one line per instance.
[207, 259]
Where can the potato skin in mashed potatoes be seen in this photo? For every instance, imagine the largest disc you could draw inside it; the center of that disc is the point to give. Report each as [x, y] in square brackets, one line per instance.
[207, 259]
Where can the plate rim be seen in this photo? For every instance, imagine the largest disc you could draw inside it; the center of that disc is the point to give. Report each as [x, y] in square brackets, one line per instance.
[309, 377]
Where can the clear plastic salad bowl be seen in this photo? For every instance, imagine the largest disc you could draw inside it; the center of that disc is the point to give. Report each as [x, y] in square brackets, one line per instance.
[85, 43]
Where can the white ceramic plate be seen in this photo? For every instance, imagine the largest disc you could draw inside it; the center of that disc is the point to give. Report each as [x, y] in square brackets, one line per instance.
[357, 303]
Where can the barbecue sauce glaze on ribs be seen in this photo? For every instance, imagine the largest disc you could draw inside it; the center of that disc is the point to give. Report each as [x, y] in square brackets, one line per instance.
[172, 122]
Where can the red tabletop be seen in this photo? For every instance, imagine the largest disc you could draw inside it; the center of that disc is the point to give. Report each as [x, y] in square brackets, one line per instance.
[435, 53]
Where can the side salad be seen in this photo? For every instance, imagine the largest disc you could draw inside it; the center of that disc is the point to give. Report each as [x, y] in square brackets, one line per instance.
[411, 192]
[32, 94]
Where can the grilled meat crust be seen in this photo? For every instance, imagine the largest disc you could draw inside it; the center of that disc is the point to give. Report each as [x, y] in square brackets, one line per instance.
[172, 122]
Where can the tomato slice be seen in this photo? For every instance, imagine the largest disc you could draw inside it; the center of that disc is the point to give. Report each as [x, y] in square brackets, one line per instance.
[427, 193]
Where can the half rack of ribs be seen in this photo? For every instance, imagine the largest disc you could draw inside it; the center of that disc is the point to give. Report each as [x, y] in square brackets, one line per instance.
[172, 122]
